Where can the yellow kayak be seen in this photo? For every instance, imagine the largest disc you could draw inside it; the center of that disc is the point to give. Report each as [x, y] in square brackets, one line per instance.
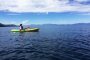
[26, 30]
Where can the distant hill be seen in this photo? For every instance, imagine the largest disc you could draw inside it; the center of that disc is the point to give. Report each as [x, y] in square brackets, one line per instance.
[8, 25]
[2, 25]
[78, 25]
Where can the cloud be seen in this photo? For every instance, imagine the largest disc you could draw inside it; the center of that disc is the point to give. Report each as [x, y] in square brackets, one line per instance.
[45, 6]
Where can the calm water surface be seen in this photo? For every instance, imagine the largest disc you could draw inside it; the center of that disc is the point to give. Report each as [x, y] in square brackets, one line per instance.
[50, 43]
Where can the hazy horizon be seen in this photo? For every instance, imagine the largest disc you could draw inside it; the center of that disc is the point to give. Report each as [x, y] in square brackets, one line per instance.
[48, 24]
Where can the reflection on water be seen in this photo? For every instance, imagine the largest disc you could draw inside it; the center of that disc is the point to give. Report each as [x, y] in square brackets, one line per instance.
[50, 43]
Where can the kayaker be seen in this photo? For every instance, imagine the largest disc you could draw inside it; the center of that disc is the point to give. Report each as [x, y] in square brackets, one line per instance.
[21, 27]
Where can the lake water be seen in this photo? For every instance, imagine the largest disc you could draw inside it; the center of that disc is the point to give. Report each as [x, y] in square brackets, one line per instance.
[50, 43]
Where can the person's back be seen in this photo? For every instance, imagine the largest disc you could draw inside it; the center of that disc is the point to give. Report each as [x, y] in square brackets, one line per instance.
[21, 27]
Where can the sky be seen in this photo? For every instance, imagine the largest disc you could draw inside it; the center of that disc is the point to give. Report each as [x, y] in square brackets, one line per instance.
[44, 11]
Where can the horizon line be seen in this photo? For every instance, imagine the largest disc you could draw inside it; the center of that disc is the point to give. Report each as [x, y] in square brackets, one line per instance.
[47, 24]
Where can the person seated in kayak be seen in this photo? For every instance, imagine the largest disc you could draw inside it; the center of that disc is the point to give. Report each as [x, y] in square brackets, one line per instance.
[21, 27]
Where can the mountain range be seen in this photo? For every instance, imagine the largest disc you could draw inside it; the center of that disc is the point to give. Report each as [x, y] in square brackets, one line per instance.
[7, 25]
